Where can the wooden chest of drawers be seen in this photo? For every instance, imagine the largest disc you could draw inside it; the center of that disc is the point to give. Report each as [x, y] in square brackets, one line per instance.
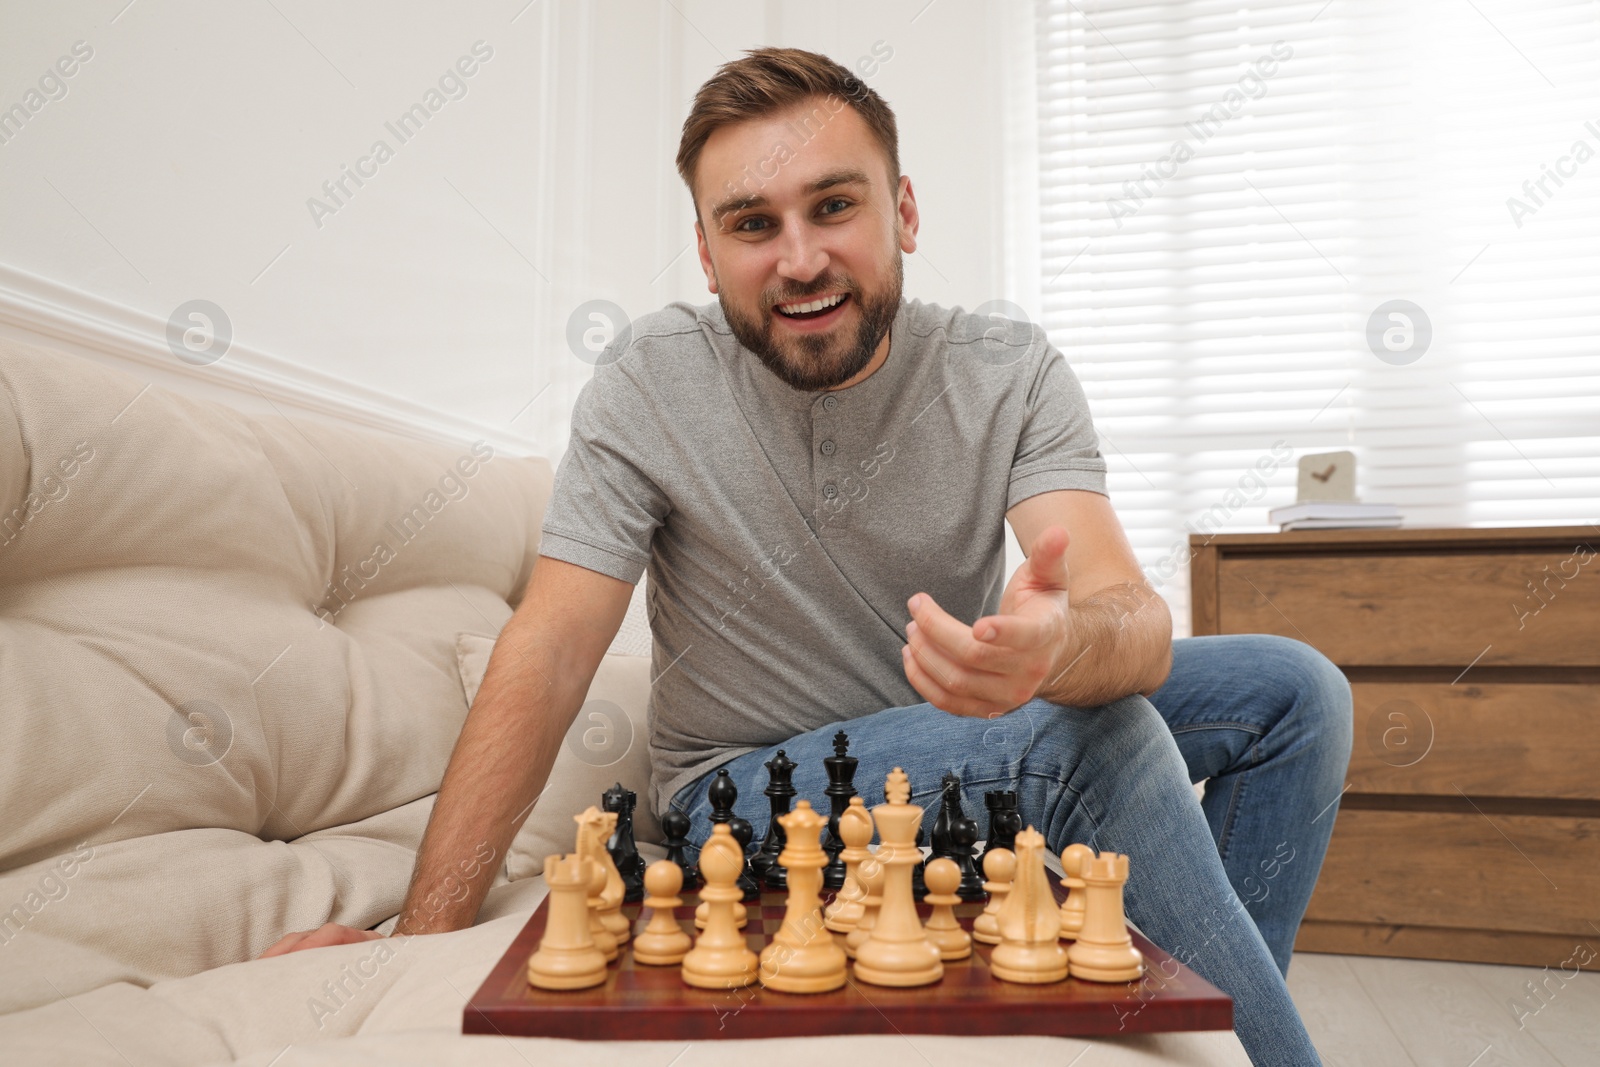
[1470, 828]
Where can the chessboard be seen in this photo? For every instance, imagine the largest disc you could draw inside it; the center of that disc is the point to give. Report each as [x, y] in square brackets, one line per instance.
[643, 1003]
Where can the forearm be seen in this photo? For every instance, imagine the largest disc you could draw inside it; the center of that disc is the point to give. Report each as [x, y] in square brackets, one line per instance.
[501, 762]
[1121, 644]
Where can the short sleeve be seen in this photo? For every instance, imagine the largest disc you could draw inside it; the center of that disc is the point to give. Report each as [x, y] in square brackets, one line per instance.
[1058, 447]
[604, 508]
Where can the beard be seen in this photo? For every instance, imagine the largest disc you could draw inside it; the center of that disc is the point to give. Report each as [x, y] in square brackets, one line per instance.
[813, 362]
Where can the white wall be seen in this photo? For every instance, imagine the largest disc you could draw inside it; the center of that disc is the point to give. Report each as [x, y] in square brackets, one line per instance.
[180, 161]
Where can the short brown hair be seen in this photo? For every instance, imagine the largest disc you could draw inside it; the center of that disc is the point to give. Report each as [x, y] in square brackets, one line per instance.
[772, 79]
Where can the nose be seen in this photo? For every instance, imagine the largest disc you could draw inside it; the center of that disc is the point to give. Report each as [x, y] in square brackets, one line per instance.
[801, 256]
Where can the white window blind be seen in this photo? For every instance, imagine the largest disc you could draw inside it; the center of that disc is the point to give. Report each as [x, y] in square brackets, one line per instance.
[1229, 190]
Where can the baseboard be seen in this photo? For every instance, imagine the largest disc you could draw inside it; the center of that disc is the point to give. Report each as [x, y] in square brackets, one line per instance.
[40, 311]
[1568, 952]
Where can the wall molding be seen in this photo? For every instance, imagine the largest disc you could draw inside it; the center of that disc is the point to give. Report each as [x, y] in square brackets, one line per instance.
[58, 316]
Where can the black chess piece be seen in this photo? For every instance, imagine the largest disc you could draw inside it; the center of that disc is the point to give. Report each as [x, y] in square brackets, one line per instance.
[675, 824]
[919, 887]
[1005, 821]
[723, 794]
[964, 835]
[764, 865]
[624, 850]
[841, 787]
[949, 812]
[742, 832]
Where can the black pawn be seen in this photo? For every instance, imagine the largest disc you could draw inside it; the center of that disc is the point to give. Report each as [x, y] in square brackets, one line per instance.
[742, 832]
[764, 865]
[949, 812]
[963, 835]
[841, 787]
[1005, 821]
[624, 850]
[675, 824]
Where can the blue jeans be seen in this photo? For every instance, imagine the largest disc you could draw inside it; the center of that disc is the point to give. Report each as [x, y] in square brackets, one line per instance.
[1265, 719]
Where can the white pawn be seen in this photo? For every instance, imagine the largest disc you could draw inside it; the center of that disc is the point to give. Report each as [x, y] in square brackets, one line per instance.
[1000, 865]
[663, 942]
[943, 877]
[1072, 861]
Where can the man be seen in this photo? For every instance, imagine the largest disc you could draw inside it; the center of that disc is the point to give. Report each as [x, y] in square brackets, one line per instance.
[814, 472]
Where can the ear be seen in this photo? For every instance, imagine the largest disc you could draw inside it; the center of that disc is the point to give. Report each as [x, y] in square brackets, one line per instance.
[705, 256]
[906, 208]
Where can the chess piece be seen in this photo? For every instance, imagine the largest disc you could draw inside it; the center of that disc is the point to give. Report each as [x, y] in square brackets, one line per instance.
[1104, 952]
[944, 875]
[841, 768]
[720, 958]
[739, 830]
[963, 836]
[1029, 952]
[1000, 864]
[1005, 821]
[802, 956]
[871, 873]
[742, 832]
[675, 824]
[949, 812]
[568, 957]
[603, 938]
[723, 794]
[764, 865]
[897, 951]
[919, 888]
[662, 942]
[855, 828]
[1072, 861]
[594, 828]
[624, 850]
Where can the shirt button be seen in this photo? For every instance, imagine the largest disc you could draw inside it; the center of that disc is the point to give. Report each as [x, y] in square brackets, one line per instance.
[830, 490]
[830, 402]
[827, 448]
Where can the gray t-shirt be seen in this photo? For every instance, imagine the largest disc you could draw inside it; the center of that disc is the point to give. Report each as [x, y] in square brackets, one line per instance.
[784, 531]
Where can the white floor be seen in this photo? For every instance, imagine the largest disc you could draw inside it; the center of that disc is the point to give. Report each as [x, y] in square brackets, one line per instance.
[1369, 1012]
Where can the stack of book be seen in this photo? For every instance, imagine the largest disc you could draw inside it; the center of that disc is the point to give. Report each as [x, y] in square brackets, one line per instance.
[1335, 515]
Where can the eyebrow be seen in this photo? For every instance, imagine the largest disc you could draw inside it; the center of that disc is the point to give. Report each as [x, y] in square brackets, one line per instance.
[816, 185]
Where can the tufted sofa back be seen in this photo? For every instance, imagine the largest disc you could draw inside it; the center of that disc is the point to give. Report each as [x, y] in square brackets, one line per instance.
[209, 619]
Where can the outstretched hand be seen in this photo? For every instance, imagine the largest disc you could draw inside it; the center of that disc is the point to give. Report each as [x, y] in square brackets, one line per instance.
[999, 662]
[325, 935]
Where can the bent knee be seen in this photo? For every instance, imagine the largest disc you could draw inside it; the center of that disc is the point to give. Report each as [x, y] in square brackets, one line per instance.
[1316, 687]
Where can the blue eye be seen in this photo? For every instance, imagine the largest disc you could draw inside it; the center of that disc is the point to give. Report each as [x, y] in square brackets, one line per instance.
[841, 201]
[741, 227]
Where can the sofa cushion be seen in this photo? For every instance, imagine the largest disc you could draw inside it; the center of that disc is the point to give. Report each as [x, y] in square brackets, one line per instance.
[214, 620]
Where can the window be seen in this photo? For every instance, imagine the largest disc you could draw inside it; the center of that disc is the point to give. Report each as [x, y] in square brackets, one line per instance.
[1229, 193]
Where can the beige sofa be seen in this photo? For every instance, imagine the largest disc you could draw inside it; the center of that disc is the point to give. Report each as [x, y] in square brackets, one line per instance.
[234, 656]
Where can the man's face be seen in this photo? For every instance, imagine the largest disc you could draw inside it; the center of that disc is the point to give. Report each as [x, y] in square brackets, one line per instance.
[796, 210]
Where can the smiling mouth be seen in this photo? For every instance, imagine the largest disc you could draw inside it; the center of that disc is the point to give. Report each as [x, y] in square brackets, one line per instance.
[815, 308]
